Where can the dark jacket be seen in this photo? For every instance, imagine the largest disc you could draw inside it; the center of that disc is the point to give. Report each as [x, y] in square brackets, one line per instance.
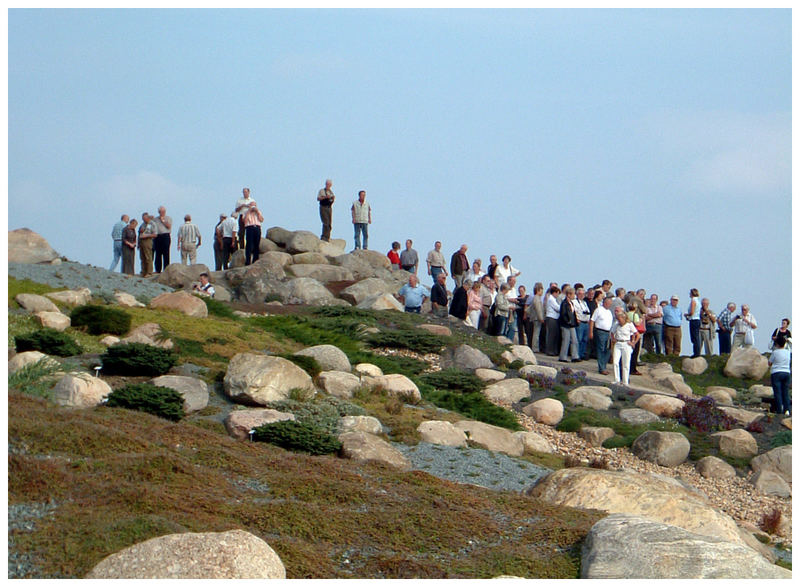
[566, 316]
[439, 295]
[458, 263]
[458, 307]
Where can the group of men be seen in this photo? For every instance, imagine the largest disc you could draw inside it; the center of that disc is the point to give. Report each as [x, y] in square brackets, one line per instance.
[360, 213]
[153, 240]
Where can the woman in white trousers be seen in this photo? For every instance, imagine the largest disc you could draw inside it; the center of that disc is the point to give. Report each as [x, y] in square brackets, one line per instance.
[625, 338]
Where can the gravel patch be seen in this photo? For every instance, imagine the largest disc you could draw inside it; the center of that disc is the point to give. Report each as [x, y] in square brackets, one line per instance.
[72, 275]
[475, 466]
[22, 517]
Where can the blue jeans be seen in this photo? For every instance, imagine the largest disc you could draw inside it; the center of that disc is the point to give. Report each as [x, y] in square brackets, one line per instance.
[117, 255]
[653, 338]
[500, 325]
[603, 351]
[694, 336]
[511, 329]
[359, 229]
[583, 339]
[724, 342]
[780, 389]
[435, 271]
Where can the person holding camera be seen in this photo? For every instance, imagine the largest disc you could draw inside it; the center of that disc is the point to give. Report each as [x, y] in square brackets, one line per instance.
[743, 326]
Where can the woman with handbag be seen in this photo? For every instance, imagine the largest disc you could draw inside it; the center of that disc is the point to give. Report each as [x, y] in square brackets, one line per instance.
[625, 338]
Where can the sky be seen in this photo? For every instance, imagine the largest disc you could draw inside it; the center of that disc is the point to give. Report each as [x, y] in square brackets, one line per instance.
[649, 147]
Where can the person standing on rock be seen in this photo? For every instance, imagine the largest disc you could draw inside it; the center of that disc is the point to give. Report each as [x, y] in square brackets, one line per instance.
[163, 240]
[412, 295]
[743, 326]
[228, 229]
[599, 331]
[439, 297]
[129, 248]
[435, 261]
[218, 242]
[672, 327]
[362, 218]
[781, 376]
[116, 237]
[707, 321]
[252, 228]
[409, 258]
[724, 328]
[325, 198]
[459, 265]
[188, 240]
[147, 232]
[242, 206]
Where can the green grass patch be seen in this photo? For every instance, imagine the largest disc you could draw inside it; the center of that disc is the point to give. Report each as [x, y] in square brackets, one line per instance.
[18, 286]
[218, 308]
[35, 378]
[454, 380]
[781, 438]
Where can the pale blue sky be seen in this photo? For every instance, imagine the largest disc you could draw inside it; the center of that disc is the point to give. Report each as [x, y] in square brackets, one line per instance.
[651, 147]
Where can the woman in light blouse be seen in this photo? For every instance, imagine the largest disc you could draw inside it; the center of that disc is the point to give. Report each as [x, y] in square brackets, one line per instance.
[504, 271]
[625, 339]
[474, 303]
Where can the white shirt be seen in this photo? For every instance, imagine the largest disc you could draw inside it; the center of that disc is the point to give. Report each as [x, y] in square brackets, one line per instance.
[602, 318]
[553, 308]
[475, 276]
[239, 203]
[741, 326]
[625, 332]
[581, 310]
[229, 226]
[501, 274]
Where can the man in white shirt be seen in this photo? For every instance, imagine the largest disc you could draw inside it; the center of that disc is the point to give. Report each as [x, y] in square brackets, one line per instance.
[582, 314]
[228, 228]
[743, 326]
[242, 206]
[599, 328]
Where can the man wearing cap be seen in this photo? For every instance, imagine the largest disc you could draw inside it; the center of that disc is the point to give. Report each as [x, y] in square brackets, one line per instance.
[672, 327]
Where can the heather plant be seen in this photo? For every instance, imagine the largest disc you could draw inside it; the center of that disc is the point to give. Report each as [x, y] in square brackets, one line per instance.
[137, 358]
[771, 521]
[703, 415]
[413, 339]
[48, 341]
[781, 438]
[298, 436]
[101, 319]
[541, 381]
[756, 426]
[145, 397]
[570, 377]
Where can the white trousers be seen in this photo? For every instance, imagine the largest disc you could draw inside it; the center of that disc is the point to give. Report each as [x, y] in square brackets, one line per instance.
[473, 316]
[622, 354]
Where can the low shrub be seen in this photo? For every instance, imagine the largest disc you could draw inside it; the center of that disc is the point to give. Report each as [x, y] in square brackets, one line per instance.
[453, 379]
[413, 339]
[101, 319]
[323, 413]
[771, 521]
[472, 404]
[516, 364]
[781, 438]
[32, 379]
[298, 436]
[137, 359]
[219, 309]
[48, 341]
[145, 397]
[307, 364]
[703, 415]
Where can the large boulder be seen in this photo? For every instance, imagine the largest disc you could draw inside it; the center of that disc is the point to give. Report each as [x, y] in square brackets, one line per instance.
[35, 303]
[396, 385]
[547, 411]
[322, 273]
[712, 467]
[309, 259]
[234, 554]
[694, 365]
[179, 276]
[338, 383]
[329, 357]
[26, 246]
[385, 301]
[194, 391]
[637, 416]
[661, 499]
[54, 320]
[305, 290]
[771, 483]
[80, 390]
[26, 358]
[182, 301]
[673, 382]
[492, 438]
[660, 405]
[736, 443]
[302, 241]
[72, 297]
[239, 423]
[530, 371]
[623, 546]
[367, 369]
[533, 442]
[368, 424]
[333, 248]
[259, 379]
[464, 357]
[364, 264]
[742, 417]
[746, 362]
[508, 390]
[778, 460]
[274, 257]
[761, 391]
[591, 396]
[361, 290]
[267, 246]
[596, 435]
[441, 432]
[489, 375]
[269, 267]
[668, 449]
[523, 353]
[363, 447]
[278, 235]
[720, 397]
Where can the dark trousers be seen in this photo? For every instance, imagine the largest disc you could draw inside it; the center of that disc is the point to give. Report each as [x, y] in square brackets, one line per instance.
[499, 325]
[241, 231]
[325, 215]
[694, 336]
[780, 389]
[635, 355]
[252, 241]
[227, 250]
[217, 256]
[724, 342]
[161, 246]
[553, 335]
[524, 328]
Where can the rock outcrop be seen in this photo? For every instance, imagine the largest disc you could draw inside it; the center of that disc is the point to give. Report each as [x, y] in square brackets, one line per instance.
[363, 447]
[194, 391]
[182, 301]
[746, 362]
[259, 379]
[26, 246]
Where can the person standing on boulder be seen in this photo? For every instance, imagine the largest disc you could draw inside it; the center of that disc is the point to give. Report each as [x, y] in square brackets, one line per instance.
[409, 260]
[242, 206]
[218, 242]
[325, 198]
[129, 248]
[188, 240]
[147, 232]
[116, 236]
[228, 230]
[252, 229]
[459, 265]
[362, 218]
[163, 240]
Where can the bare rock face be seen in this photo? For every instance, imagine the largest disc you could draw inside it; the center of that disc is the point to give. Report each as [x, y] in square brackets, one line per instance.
[396, 385]
[54, 320]
[668, 449]
[508, 390]
[591, 396]
[182, 301]
[234, 554]
[635, 493]
[72, 297]
[35, 303]
[492, 438]
[362, 447]
[490, 375]
[596, 435]
[194, 391]
[746, 363]
[239, 423]
[259, 379]
[338, 383]
[178, 275]
[384, 301]
[778, 460]
[80, 390]
[329, 357]
[660, 405]
[736, 443]
[712, 467]
[529, 371]
[26, 246]
[547, 411]
[302, 241]
[465, 357]
[771, 483]
[441, 432]
[368, 424]
[623, 546]
[534, 443]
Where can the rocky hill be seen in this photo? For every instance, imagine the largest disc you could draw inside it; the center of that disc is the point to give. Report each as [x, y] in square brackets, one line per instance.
[442, 452]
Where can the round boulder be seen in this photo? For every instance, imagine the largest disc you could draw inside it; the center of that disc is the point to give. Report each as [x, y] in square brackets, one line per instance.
[193, 391]
[329, 357]
[694, 366]
[720, 397]
[668, 449]
[547, 411]
[72, 297]
[523, 353]
[591, 396]
[338, 383]
[35, 303]
[396, 385]
[736, 443]
[26, 246]
[259, 379]
[529, 371]
[21, 360]
[660, 405]
[596, 435]
[746, 362]
[771, 483]
[368, 369]
[239, 423]
[465, 357]
[80, 390]
[637, 416]
[441, 432]
[302, 241]
[508, 390]
[183, 302]
[534, 443]
[712, 467]
[363, 447]
[490, 375]
[367, 424]
[778, 460]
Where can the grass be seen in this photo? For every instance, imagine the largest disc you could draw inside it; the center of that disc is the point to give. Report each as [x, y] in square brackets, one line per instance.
[35, 378]
[712, 376]
[18, 286]
[121, 477]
